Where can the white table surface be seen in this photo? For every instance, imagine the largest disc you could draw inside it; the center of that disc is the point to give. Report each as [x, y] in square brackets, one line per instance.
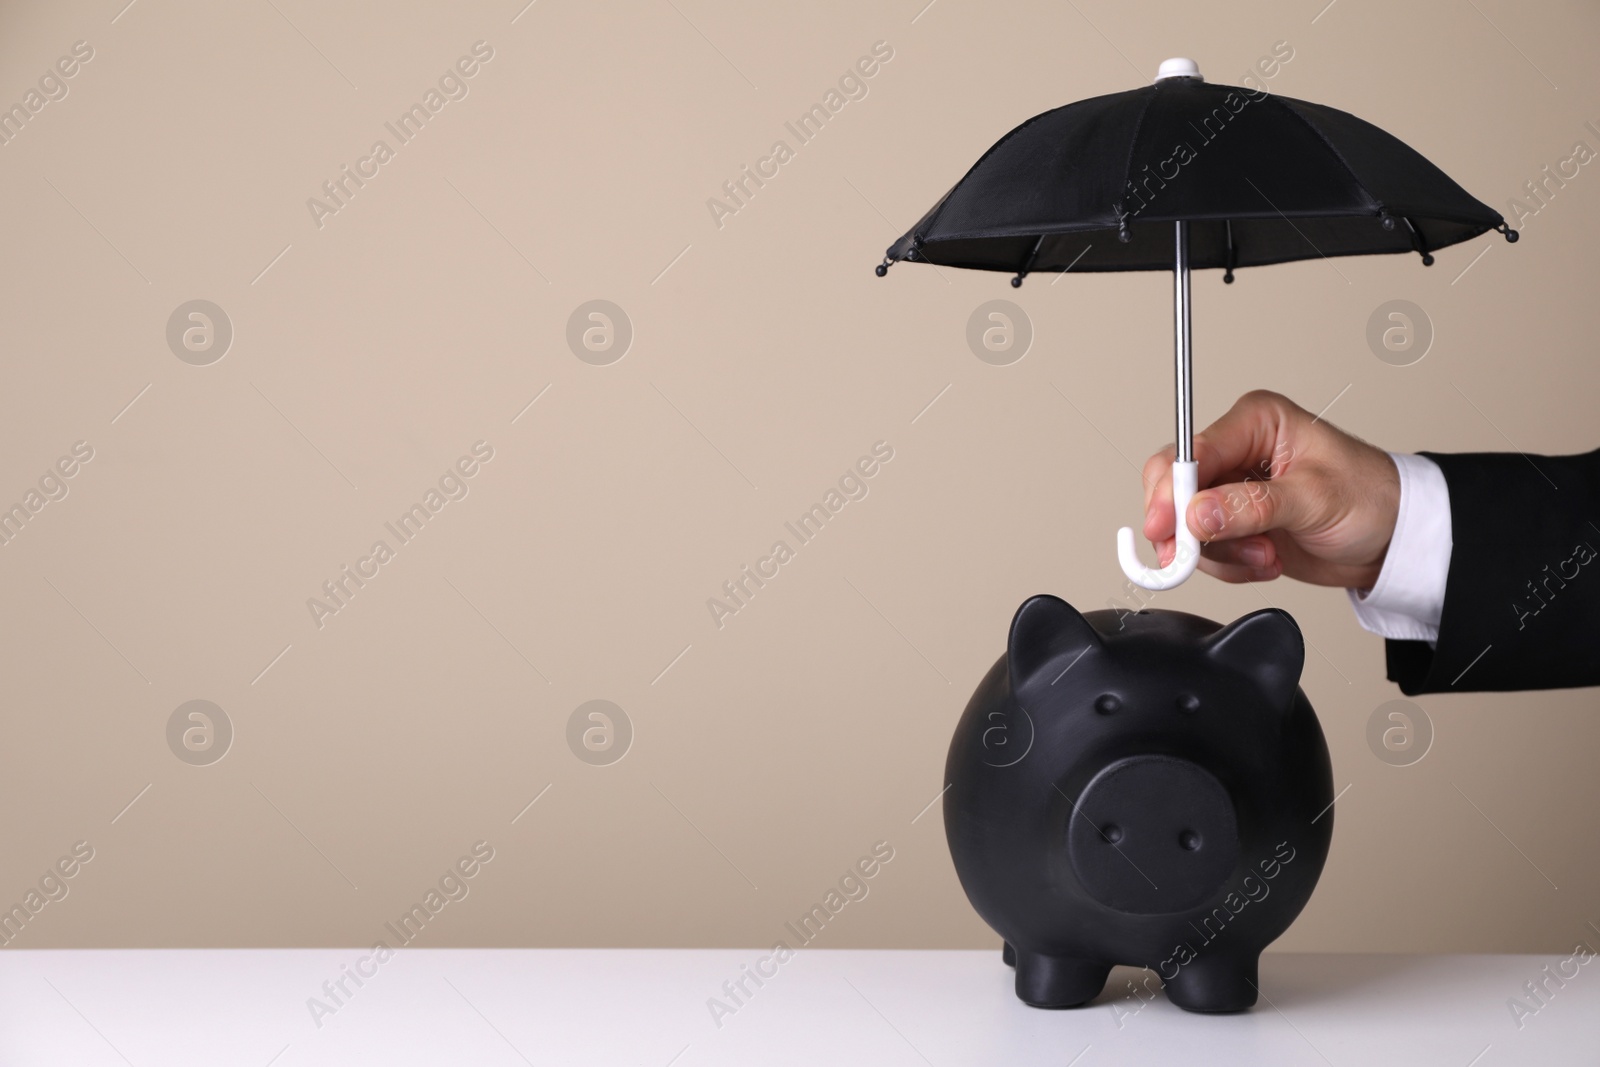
[824, 1007]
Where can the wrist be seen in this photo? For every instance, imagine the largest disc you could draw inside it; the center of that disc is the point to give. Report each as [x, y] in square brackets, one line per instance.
[1384, 516]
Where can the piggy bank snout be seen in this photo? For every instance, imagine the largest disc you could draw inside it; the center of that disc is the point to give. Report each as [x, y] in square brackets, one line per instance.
[1153, 834]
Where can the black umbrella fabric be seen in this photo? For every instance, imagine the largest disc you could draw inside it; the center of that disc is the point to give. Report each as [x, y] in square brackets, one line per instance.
[1096, 185]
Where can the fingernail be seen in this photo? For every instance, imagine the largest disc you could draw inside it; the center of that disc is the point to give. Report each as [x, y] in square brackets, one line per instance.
[1209, 515]
[1253, 555]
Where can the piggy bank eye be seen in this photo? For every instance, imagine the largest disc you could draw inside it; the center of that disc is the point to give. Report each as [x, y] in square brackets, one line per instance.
[1108, 705]
[1188, 702]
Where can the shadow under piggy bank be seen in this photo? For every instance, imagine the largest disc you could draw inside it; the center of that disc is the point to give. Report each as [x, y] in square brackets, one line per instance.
[1145, 788]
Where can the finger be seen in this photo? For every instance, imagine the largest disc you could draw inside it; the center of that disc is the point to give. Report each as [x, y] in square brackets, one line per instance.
[1244, 509]
[1253, 438]
[1160, 517]
[1238, 573]
[1160, 520]
[1156, 468]
[1231, 561]
[1258, 552]
[1254, 435]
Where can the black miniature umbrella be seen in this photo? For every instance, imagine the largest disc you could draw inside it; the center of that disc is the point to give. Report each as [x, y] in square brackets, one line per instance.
[1188, 175]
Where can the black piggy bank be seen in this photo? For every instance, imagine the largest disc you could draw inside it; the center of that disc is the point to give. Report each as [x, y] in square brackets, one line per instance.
[1145, 788]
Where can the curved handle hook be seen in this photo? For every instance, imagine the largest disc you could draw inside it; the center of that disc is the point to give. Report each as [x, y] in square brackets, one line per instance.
[1185, 479]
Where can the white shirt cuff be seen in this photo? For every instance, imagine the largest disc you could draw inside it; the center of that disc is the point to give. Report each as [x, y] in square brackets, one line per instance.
[1408, 598]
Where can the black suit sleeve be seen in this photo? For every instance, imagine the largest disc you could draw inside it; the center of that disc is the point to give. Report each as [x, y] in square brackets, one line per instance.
[1522, 602]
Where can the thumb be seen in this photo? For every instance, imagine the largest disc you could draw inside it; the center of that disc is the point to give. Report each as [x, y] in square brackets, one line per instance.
[1243, 509]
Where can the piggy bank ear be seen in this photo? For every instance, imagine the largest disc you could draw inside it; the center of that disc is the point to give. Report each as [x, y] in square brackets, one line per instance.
[1265, 645]
[1047, 633]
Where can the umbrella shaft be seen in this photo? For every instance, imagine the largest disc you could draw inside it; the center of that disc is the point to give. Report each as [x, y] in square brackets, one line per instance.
[1180, 325]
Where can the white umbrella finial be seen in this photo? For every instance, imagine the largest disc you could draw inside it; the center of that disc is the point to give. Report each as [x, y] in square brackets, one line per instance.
[1179, 68]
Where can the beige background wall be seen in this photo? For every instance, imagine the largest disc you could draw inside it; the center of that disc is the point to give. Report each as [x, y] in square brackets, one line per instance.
[372, 352]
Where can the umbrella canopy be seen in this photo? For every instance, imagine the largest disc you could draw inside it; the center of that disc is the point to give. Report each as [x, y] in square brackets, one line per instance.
[1096, 186]
[1187, 175]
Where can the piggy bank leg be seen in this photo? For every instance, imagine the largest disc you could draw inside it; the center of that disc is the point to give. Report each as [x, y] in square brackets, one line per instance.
[1215, 983]
[1008, 955]
[1057, 981]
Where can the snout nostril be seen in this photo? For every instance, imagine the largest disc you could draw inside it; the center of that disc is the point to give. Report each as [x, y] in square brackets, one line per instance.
[1111, 832]
[1189, 841]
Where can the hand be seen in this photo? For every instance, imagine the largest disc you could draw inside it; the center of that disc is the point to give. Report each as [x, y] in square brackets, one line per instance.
[1281, 493]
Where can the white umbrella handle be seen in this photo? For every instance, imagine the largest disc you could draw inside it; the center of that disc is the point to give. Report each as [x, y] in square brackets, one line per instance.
[1185, 479]
[1185, 472]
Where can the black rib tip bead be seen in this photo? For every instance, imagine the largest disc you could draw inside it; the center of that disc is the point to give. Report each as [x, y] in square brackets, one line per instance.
[1124, 236]
[1227, 277]
[881, 269]
[1388, 222]
[1511, 235]
[1427, 259]
[1016, 283]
